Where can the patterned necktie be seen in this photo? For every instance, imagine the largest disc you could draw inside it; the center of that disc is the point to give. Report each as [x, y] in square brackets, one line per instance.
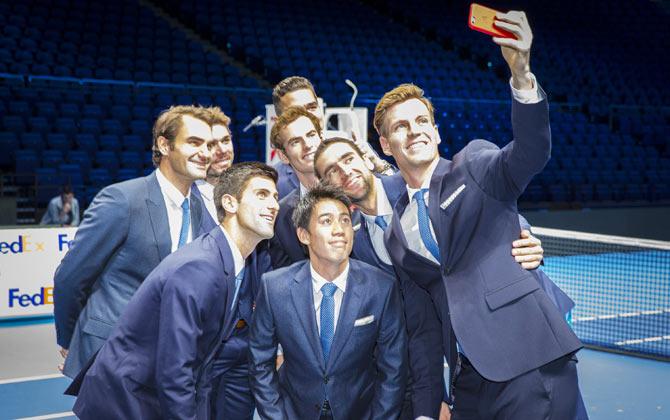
[379, 221]
[238, 283]
[424, 225]
[327, 318]
[185, 223]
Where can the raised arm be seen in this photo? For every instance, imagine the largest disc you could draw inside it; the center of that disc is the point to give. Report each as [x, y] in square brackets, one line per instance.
[505, 173]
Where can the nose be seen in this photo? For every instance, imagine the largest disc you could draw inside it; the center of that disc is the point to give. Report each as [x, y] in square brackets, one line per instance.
[338, 229]
[274, 204]
[312, 142]
[414, 128]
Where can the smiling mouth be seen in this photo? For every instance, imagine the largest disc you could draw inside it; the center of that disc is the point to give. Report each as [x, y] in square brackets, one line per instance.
[268, 217]
[338, 243]
[417, 144]
[309, 156]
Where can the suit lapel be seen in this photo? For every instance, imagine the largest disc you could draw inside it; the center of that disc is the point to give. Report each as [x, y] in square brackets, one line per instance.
[228, 273]
[158, 216]
[303, 301]
[196, 205]
[441, 170]
[351, 304]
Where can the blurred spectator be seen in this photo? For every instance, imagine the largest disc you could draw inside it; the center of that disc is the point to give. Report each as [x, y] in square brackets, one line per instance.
[62, 210]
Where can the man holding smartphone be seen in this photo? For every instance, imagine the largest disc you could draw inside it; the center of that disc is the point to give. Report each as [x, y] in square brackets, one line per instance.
[510, 351]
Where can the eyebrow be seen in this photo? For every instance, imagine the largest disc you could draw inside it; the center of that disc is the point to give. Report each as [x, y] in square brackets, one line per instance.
[197, 139]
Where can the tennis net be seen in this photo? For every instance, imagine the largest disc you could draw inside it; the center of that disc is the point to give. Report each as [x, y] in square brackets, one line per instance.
[621, 287]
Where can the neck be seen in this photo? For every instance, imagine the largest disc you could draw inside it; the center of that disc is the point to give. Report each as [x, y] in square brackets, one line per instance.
[245, 240]
[329, 270]
[415, 176]
[308, 179]
[180, 182]
[368, 204]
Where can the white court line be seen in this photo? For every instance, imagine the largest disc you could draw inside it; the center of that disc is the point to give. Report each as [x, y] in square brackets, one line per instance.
[50, 416]
[623, 315]
[596, 237]
[642, 340]
[30, 378]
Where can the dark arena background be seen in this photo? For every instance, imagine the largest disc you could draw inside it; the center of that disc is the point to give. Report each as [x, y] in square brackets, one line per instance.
[81, 83]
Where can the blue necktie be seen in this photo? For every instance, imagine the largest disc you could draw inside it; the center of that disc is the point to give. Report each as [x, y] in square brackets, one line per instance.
[238, 283]
[185, 223]
[327, 318]
[379, 221]
[424, 225]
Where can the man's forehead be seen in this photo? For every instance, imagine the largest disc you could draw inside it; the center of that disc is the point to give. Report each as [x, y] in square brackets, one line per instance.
[262, 182]
[300, 126]
[408, 109]
[299, 97]
[220, 131]
[193, 127]
[330, 206]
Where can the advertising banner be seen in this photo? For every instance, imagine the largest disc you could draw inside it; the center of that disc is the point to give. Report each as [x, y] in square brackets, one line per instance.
[28, 259]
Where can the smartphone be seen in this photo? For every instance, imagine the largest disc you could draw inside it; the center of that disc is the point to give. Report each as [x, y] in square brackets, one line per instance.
[481, 19]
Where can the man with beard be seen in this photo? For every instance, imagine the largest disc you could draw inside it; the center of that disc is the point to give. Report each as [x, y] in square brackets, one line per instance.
[127, 230]
[222, 157]
[339, 322]
[299, 91]
[341, 163]
[157, 361]
[511, 349]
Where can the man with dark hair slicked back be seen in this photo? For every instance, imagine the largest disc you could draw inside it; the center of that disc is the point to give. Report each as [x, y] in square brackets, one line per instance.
[339, 322]
[192, 312]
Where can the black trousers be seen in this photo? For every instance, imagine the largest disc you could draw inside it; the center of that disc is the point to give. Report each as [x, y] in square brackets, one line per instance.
[548, 392]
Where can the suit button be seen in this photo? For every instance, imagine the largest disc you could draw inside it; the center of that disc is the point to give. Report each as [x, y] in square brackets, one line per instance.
[326, 379]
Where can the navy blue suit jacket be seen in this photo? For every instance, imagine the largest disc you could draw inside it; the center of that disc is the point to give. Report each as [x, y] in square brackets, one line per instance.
[156, 362]
[287, 180]
[207, 223]
[504, 322]
[284, 247]
[124, 235]
[364, 377]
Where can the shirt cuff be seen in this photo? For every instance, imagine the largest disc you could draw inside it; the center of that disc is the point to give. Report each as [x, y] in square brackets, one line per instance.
[424, 418]
[280, 351]
[526, 96]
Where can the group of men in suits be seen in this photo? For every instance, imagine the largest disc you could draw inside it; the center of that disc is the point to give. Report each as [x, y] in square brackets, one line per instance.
[324, 289]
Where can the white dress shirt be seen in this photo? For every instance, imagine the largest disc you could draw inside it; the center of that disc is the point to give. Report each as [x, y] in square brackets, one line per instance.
[207, 192]
[173, 199]
[238, 259]
[317, 283]
[385, 210]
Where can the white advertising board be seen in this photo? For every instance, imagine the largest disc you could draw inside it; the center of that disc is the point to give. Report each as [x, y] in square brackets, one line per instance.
[28, 259]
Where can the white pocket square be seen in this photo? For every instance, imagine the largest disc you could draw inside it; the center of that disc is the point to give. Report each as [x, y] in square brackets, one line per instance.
[452, 197]
[364, 321]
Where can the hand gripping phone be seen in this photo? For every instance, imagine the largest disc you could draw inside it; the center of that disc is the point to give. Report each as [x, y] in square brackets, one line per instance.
[481, 19]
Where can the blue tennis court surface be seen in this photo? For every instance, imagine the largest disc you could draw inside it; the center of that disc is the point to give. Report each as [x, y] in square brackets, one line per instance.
[613, 386]
[622, 298]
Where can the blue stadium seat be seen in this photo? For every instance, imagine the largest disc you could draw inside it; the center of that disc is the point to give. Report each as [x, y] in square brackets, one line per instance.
[99, 178]
[59, 141]
[110, 142]
[107, 159]
[52, 158]
[71, 174]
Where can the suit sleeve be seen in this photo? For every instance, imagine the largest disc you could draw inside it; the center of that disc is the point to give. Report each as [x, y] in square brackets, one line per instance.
[103, 230]
[425, 352]
[391, 359]
[47, 217]
[262, 359]
[184, 309]
[505, 173]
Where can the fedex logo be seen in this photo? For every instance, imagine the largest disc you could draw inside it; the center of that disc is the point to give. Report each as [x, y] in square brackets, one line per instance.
[44, 297]
[63, 242]
[21, 245]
